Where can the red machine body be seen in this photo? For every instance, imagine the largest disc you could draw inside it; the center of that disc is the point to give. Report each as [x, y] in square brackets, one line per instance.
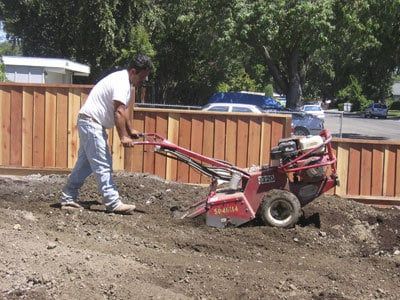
[273, 192]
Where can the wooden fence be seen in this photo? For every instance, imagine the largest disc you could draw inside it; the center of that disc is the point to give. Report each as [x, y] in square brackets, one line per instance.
[38, 131]
[368, 169]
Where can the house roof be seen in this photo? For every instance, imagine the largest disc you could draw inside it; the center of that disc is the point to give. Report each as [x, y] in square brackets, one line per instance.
[54, 63]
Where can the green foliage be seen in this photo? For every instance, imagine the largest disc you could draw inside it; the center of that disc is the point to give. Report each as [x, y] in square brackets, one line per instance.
[9, 48]
[341, 106]
[3, 77]
[269, 90]
[139, 43]
[241, 82]
[353, 94]
[223, 87]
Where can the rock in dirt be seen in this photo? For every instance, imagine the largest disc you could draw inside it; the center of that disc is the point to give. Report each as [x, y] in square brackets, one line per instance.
[322, 233]
[51, 245]
[29, 216]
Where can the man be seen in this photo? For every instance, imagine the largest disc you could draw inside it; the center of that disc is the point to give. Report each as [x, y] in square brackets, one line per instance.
[106, 106]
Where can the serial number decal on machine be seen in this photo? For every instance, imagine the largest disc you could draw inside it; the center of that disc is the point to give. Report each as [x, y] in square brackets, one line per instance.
[266, 179]
[225, 210]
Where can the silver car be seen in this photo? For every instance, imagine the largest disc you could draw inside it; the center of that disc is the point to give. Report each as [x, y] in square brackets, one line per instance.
[305, 124]
[376, 110]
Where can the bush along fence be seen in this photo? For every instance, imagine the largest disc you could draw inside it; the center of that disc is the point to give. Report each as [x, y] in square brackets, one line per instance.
[38, 132]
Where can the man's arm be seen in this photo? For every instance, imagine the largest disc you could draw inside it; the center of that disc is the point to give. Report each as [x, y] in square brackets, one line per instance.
[121, 119]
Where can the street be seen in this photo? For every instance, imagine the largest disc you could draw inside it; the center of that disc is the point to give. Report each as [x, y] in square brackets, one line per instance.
[357, 127]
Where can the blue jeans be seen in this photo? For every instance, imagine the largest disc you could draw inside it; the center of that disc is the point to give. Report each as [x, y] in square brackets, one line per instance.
[93, 157]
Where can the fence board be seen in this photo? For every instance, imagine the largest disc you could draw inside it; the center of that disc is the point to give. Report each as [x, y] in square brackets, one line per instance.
[277, 130]
[173, 136]
[253, 156]
[366, 168]
[242, 141]
[208, 142]
[377, 171]
[74, 102]
[50, 128]
[185, 130]
[84, 95]
[329, 170]
[148, 155]
[389, 177]
[196, 144]
[219, 137]
[265, 142]
[117, 150]
[161, 129]
[38, 127]
[27, 126]
[353, 185]
[231, 143]
[16, 127]
[343, 161]
[137, 152]
[5, 115]
[62, 129]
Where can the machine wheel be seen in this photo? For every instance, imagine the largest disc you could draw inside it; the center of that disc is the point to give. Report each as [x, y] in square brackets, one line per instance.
[280, 208]
[301, 131]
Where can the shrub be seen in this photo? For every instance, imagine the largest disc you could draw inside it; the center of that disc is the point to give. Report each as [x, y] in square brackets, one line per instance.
[353, 94]
[269, 90]
[395, 105]
[341, 106]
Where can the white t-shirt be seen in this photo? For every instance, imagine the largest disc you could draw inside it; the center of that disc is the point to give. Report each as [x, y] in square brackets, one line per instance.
[99, 104]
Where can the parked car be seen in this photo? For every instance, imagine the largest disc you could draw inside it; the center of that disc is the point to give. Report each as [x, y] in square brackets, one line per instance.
[376, 110]
[313, 109]
[263, 102]
[305, 124]
[302, 123]
[232, 107]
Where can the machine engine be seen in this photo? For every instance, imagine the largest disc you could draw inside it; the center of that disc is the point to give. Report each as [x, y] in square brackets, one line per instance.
[292, 148]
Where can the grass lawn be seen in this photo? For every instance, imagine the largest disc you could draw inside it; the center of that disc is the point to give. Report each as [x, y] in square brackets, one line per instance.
[394, 113]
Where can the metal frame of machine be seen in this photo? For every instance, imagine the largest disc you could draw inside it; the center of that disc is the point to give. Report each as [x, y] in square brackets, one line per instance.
[274, 193]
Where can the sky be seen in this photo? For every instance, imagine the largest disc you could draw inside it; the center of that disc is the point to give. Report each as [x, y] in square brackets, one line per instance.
[2, 33]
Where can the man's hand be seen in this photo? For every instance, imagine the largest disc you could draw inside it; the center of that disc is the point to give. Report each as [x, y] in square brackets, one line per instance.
[135, 134]
[127, 141]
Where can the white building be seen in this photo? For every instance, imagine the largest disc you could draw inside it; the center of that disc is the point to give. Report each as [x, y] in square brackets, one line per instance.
[42, 70]
[396, 91]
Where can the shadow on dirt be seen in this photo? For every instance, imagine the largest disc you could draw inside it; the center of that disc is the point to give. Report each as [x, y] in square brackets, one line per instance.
[313, 220]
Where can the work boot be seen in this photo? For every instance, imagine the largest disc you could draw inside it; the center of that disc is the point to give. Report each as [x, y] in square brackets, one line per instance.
[124, 209]
[71, 205]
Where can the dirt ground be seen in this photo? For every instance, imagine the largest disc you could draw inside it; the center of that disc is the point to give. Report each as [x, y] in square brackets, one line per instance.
[339, 250]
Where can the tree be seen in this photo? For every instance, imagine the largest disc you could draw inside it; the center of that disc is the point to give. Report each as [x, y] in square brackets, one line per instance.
[97, 32]
[366, 44]
[287, 34]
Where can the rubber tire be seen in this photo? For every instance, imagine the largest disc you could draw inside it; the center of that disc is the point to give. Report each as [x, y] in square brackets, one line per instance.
[301, 131]
[285, 198]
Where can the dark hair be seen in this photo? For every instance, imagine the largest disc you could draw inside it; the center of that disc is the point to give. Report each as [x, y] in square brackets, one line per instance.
[141, 62]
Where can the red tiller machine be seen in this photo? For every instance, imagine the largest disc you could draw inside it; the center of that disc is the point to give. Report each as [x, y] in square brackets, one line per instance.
[275, 193]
